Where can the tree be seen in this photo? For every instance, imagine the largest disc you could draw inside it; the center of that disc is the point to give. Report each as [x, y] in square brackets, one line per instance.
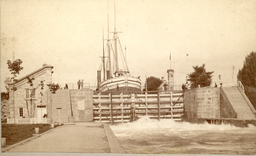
[200, 77]
[53, 87]
[152, 83]
[15, 67]
[247, 75]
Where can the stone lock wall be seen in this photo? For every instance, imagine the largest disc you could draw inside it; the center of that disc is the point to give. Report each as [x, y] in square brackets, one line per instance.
[202, 103]
[73, 105]
[58, 106]
[82, 104]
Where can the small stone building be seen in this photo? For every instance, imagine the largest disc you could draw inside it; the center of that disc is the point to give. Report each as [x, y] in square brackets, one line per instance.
[28, 97]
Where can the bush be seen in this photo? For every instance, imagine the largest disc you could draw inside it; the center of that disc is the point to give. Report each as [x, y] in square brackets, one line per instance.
[251, 94]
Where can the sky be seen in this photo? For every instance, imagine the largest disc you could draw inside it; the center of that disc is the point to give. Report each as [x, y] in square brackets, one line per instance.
[68, 35]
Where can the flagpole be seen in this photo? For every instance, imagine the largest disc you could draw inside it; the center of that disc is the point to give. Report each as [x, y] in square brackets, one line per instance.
[233, 72]
[170, 60]
[146, 84]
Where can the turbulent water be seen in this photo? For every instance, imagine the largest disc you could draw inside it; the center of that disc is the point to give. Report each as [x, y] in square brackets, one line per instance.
[169, 137]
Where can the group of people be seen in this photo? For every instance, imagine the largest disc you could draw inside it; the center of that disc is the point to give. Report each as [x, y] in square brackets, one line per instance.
[80, 84]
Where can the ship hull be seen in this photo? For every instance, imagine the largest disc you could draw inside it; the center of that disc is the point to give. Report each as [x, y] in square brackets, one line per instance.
[121, 83]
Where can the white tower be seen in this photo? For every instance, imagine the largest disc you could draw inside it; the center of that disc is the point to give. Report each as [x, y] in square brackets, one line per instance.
[170, 73]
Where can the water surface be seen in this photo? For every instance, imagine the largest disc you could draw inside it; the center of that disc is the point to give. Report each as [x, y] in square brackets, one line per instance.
[169, 137]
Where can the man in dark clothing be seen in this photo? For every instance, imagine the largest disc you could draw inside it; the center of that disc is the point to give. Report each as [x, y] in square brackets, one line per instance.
[78, 84]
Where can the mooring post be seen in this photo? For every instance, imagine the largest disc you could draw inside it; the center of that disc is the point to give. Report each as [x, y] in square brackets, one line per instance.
[111, 104]
[158, 99]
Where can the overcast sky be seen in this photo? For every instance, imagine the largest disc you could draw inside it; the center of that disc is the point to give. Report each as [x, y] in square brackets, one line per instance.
[68, 35]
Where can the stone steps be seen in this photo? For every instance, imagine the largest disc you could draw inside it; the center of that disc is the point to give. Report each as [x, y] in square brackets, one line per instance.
[238, 103]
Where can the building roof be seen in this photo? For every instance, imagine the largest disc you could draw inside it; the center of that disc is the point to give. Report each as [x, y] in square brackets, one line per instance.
[36, 71]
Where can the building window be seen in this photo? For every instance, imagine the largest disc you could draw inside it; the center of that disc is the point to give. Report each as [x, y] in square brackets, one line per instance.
[31, 93]
[21, 112]
[27, 93]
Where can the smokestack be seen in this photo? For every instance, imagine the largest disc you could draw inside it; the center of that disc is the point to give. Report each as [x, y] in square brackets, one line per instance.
[98, 78]
[108, 74]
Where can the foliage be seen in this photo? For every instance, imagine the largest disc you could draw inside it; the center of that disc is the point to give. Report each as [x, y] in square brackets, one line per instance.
[251, 94]
[153, 83]
[4, 110]
[15, 67]
[200, 77]
[4, 96]
[30, 81]
[247, 75]
[53, 87]
[184, 87]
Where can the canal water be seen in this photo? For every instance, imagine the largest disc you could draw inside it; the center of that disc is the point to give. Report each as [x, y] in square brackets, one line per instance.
[169, 137]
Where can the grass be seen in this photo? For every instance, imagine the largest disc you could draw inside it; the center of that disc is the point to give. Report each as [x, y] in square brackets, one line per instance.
[16, 133]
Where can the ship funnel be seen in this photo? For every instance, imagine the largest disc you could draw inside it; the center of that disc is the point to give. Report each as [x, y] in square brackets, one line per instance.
[108, 74]
[98, 78]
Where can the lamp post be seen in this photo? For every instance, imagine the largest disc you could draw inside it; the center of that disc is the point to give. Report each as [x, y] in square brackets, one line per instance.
[220, 81]
[41, 93]
[59, 114]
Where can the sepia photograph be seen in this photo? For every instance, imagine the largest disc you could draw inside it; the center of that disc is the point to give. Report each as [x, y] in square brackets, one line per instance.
[128, 77]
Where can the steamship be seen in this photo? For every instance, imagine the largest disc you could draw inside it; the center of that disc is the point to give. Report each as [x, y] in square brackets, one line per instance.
[114, 74]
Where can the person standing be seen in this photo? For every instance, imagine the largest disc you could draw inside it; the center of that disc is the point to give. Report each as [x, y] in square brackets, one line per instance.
[66, 86]
[78, 84]
[82, 84]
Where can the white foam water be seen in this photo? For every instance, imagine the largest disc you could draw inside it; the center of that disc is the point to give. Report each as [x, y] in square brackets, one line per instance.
[167, 136]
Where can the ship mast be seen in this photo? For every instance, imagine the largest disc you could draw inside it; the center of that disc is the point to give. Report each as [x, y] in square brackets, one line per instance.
[109, 57]
[104, 72]
[115, 39]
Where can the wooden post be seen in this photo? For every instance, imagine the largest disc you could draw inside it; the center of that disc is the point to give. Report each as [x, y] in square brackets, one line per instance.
[122, 106]
[158, 99]
[111, 108]
[132, 106]
[146, 102]
[99, 99]
[171, 106]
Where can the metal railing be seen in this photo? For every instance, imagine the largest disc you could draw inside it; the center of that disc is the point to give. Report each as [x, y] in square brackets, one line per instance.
[88, 86]
[239, 84]
[75, 86]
